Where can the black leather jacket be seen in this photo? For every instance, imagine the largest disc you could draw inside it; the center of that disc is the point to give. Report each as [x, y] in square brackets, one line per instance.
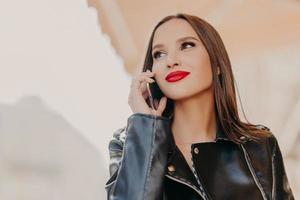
[146, 164]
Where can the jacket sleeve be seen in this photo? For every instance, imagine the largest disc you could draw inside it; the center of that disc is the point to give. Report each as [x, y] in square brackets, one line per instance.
[138, 163]
[281, 187]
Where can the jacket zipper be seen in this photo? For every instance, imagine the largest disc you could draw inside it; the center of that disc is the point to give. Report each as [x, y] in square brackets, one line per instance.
[273, 175]
[196, 190]
[253, 173]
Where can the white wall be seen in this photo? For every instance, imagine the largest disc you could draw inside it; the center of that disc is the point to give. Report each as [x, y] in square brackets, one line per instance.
[58, 75]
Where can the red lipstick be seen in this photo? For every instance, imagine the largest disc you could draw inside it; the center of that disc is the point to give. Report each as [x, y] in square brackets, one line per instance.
[176, 76]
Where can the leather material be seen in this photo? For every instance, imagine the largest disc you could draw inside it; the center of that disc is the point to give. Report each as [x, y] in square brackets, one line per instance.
[144, 159]
[225, 171]
[145, 163]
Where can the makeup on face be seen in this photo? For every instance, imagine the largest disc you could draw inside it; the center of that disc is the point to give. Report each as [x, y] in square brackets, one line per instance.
[176, 76]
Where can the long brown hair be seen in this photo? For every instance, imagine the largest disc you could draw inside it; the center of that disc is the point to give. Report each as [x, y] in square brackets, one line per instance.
[224, 90]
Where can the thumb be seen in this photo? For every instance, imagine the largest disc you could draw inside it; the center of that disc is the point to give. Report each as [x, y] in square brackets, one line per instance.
[162, 104]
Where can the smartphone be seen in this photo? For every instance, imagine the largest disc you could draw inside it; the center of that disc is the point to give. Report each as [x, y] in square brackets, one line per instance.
[151, 100]
[155, 93]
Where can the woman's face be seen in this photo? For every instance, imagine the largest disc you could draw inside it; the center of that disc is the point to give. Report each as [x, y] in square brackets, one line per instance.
[176, 53]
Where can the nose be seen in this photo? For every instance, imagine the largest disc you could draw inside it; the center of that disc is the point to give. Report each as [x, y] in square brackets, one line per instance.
[172, 61]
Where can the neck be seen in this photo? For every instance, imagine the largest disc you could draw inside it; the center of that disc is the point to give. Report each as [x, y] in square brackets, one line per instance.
[194, 119]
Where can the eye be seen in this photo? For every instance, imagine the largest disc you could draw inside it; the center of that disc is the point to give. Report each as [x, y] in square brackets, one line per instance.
[186, 44]
[156, 54]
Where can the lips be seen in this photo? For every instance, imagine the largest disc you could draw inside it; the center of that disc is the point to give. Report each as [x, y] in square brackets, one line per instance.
[176, 76]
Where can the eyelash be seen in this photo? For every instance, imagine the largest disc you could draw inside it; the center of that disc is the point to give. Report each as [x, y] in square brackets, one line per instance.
[185, 43]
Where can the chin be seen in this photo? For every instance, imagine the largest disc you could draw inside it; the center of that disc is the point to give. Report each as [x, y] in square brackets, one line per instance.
[179, 95]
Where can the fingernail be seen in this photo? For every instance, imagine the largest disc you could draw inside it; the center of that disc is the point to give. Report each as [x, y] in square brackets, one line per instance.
[149, 71]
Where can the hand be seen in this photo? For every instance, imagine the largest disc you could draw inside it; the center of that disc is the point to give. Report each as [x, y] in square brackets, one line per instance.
[138, 93]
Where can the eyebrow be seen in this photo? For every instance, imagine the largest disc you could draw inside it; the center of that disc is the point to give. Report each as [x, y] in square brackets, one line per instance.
[179, 40]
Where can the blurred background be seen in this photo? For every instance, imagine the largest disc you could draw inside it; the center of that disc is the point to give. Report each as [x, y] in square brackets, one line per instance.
[65, 72]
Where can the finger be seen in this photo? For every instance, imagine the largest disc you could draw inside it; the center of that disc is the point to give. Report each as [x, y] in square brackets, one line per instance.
[162, 104]
[145, 94]
[141, 77]
[148, 71]
[144, 78]
[156, 103]
[143, 83]
[138, 81]
[144, 88]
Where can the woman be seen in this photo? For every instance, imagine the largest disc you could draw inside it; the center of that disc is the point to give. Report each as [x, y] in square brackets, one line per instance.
[192, 143]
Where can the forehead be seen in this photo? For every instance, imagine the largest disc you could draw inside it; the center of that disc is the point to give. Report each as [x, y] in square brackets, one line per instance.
[172, 30]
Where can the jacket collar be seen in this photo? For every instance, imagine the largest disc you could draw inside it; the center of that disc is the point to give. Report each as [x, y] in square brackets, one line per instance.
[177, 165]
[220, 135]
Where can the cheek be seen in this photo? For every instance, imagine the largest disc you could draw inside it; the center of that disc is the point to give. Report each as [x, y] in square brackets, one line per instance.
[204, 73]
[206, 76]
[200, 58]
[201, 69]
[159, 78]
[202, 62]
[157, 65]
[158, 70]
